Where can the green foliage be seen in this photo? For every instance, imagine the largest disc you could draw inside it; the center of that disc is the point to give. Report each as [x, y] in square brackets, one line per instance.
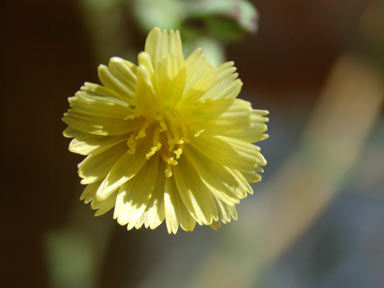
[204, 23]
[225, 19]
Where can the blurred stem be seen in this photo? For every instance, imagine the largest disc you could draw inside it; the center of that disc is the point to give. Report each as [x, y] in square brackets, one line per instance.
[76, 252]
[104, 20]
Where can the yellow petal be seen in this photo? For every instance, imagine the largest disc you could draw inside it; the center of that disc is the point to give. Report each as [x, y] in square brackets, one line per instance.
[252, 177]
[98, 90]
[242, 180]
[220, 181]
[206, 112]
[111, 81]
[241, 122]
[226, 212]
[154, 214]
[98, 125]
[101, 106]
[124, 169]
[215, 225]
[227, 85]
[161, 43]
[170, 79]
[230, 152]
[201, 76]
[236, 116]
[89, 195]
[195, 194]
[146, 98]
[121, 212]
[89, 192]
[175, 211]
[84, 143]
[125, 72]
[226, 71]
[137, 193]
[96, 167]
[103, 206]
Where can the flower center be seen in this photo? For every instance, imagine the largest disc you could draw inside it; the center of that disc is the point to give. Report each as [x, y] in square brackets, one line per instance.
[168, 132]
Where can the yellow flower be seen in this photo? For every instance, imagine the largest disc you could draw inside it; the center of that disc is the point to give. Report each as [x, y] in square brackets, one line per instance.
[166, 139]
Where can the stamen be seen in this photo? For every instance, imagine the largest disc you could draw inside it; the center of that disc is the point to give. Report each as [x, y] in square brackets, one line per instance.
[172, 161]
[163, 125]
[131, 143]
[168, 171]
[135, 113]
[169, 135]
[178, 152]
[153, 150]
[180, 141]
[141, 133]
[198, 132]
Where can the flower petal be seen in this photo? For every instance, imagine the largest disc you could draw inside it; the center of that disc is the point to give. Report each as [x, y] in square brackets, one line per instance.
[146, 98]
[96, 166]
[89, 192]
[170, 79]
[204, 113]
[254, 176]
[98, 90]
[227, 85]
[195, 194]
[103, 206]
[175, 211]
[253, 131]
[230, 152]
[84, 143]
[124, 169]
[201, 76]
[89, 195]
[223, 184]
[135, 194]
[226, 71]
[100, 106]
[125, 72]
[111, 81]
[226, 212]
[242, 180]
[154, 214]
[160, 43]
[236, 116]
[98, 125]
[240, 121]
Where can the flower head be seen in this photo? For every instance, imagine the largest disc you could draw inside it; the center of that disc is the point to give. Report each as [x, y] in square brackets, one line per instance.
[166, 139]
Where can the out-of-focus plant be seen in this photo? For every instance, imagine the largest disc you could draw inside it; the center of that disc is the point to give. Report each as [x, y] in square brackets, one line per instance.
[209, 24]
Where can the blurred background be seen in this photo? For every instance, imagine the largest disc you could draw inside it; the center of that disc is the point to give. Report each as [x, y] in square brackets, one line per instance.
[317, 218]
